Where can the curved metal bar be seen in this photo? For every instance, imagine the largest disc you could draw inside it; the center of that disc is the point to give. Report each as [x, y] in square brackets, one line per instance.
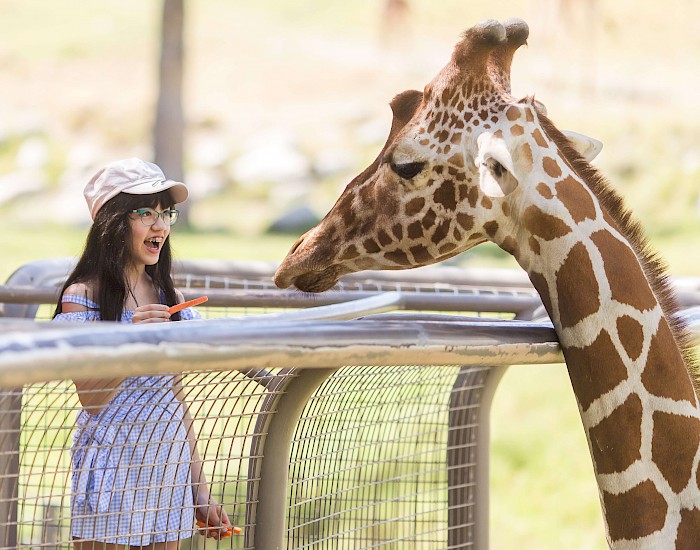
[72, 351]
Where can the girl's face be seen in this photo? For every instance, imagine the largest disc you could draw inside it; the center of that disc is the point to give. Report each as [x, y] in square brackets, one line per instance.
[147, 241]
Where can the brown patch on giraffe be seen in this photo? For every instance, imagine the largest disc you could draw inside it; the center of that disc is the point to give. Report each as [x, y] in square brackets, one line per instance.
[456, 160]
[465, 221]
[687, 534]
[445, 248]
[486, 202]
[610, 220]
[415, 230]
[473, 196]
[576, 198]
[397, 230]
[346, 209]
[366, 195]
[414, 206]
[526, 156]
[441, 232]
[665, 374]
[349, 253]
[612, 451]
[429, 219]
[491, 228]
[390, 206]
[517, 130]
[577, 287]
[528, 115]
[505, 207]
[631, 335]
[512, 113]
[649, 515]
[539, 138]
[456, 234]
[628, 286]
[541, 224]
[446, 195]
[534, 245]
[420, 254]
[510, 245]
[371, 246]
[551, 167]
[673, 446]
[398, 257]
[544, 190]
[540, 284]
[595, 369]
[384, 238]
[462, 192]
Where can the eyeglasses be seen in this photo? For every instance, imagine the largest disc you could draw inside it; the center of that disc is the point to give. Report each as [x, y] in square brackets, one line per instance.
[149, 216]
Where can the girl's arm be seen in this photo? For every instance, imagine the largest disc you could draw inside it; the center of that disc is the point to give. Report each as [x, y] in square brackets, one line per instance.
[207, 510]
[95, 393]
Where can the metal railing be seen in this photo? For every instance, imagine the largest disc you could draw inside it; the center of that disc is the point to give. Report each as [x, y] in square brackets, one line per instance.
[354, 419]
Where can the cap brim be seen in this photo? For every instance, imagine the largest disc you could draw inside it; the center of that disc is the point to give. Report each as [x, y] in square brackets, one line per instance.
[178, 190]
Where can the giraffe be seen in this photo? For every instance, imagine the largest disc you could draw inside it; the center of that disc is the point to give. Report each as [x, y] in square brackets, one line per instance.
[467, 162]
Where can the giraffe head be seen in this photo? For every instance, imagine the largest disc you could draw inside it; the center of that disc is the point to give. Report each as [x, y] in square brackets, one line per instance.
[457, 157]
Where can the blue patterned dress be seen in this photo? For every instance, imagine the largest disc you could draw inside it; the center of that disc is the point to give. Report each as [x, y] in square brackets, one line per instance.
[131, 481]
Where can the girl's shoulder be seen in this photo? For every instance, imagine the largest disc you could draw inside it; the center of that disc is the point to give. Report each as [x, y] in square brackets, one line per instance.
[78, 297]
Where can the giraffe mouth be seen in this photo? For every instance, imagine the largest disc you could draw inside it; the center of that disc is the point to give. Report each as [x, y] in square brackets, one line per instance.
[312, 280]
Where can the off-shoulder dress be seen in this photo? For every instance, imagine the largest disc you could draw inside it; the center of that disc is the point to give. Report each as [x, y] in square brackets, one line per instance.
[130, 463]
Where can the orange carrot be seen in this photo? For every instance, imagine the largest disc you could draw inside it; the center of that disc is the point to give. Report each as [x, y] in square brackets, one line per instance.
[226, 535]
[189, 303]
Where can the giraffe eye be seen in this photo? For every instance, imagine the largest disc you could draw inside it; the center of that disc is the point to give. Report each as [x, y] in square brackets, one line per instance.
[408, 170]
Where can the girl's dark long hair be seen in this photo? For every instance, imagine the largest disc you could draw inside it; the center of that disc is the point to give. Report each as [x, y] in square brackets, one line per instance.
[108, 251]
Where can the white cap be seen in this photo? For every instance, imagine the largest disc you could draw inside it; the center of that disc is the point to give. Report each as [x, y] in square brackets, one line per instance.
[133, 176]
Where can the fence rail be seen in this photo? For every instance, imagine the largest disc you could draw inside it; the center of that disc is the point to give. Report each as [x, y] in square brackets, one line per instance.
[358, 419]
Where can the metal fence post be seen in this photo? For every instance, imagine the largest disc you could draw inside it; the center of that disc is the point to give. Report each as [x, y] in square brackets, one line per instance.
[10, 424]
[468, 456]
[279, 417]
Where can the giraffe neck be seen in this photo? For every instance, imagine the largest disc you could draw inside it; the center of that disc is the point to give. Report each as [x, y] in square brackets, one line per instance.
[635, 395]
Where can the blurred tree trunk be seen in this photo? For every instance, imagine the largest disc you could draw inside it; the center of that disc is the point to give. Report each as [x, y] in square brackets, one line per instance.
[168, 135]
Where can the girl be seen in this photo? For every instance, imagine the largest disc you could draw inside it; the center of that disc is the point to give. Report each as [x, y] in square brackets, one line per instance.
[137, 478]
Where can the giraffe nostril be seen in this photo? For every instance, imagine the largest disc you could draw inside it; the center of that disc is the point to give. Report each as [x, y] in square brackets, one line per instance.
[296, 245]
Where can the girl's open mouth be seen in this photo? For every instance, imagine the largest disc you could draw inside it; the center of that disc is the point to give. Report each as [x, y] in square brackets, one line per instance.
[154, 244]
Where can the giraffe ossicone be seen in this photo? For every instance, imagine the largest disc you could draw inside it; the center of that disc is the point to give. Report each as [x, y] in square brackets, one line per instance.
[466, 162]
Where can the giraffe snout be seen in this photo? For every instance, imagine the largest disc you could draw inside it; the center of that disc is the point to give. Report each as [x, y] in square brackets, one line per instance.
[284, 276]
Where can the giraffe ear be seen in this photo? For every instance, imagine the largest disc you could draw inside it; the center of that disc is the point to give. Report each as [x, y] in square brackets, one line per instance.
[495, 163]
[587, 147]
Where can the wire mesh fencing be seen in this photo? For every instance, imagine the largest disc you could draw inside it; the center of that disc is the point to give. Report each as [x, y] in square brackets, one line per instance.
[126, 463]
[311, 432]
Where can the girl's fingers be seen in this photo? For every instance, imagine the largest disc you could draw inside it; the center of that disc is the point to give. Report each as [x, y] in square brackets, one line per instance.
[151, 313]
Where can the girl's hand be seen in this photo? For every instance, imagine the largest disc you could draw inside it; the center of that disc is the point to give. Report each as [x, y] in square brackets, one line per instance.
[151, 313]
[211, 518]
